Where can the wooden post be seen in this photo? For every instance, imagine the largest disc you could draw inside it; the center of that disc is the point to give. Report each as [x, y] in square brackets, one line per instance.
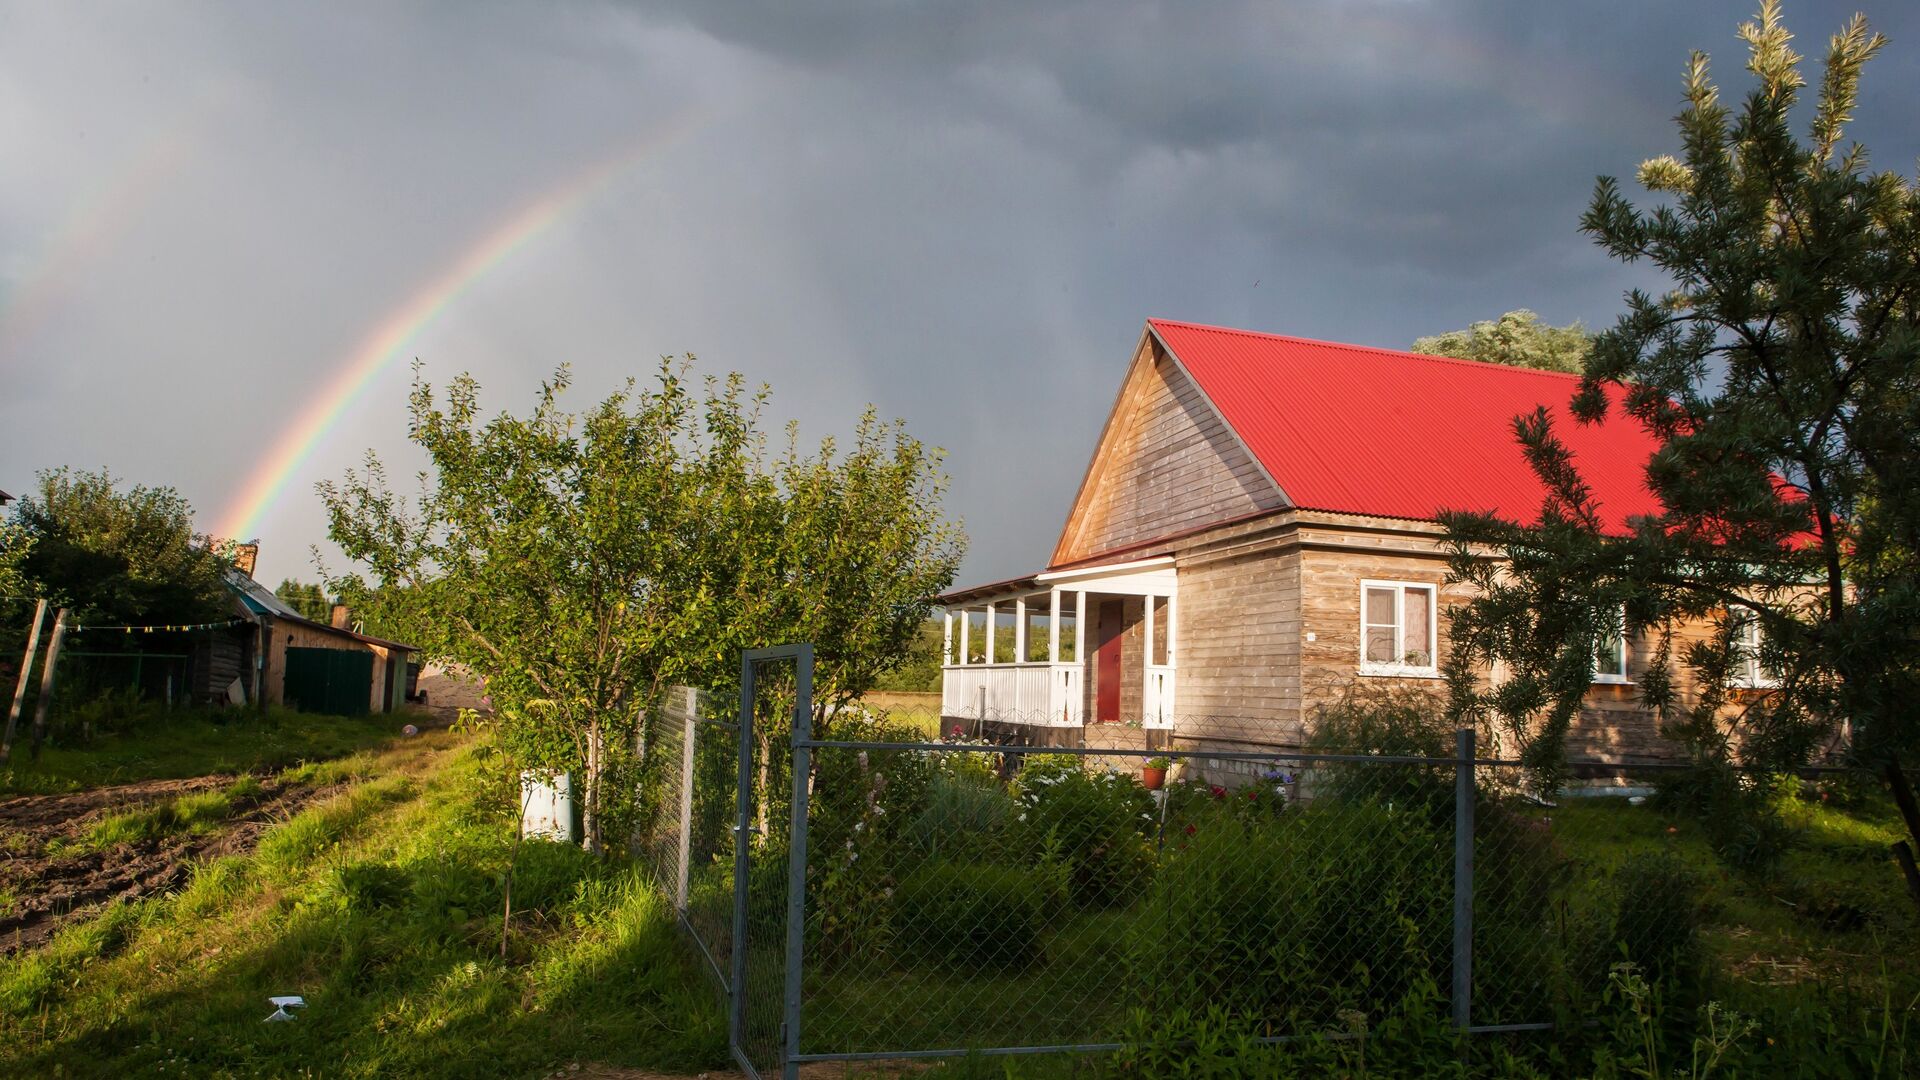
[46, 681]
[946, 638]
[20, 687]
[993, 631]
[1020, 630]
[1080, 628]
[966, 635]
[1053, 630]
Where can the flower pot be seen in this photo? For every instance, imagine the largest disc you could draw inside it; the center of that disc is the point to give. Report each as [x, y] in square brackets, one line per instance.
[1152, 778]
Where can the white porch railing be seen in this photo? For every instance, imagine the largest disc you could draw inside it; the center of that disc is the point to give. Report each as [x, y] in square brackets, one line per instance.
[1040, 694]
[1156, 702]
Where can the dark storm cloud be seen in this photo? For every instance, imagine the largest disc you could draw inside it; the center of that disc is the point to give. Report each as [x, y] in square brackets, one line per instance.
[960, 212]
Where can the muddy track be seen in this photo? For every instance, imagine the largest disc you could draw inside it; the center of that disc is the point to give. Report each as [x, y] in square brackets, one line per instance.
[49, 891]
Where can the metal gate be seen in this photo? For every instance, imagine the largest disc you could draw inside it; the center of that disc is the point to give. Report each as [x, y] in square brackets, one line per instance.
[769, 867]
[335, 681]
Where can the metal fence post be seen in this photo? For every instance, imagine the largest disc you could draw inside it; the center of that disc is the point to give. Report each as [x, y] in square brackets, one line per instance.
[743, 800]
[686, 801]
[797, 861]
[1463, 879]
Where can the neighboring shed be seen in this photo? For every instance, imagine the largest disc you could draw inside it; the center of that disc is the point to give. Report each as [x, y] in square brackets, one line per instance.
[281, 657]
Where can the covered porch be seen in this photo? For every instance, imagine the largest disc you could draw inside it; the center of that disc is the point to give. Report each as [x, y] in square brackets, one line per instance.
[1044, 657]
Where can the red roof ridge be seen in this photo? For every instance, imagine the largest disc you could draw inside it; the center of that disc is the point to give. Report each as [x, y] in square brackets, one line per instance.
[1346, 347]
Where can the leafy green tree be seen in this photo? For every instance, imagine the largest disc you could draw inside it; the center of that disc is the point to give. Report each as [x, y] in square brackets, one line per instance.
[1517, 339]
[581, 563]
[307, 598]
[118, 555]
[1779, 374]
[15, 542]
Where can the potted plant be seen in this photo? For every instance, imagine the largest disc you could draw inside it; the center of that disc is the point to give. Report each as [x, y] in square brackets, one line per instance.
[1153, 775]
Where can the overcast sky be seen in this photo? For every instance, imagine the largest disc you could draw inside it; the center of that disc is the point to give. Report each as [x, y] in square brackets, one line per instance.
[960, 212]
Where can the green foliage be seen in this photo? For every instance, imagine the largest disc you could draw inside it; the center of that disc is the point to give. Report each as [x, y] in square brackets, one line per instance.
[580, 563]
[1517, 339]
[1289, 922]
[967, 811]
[1741, 810]
[1656, 920]
[972, 916]
[918, 671]
[1093, 825]
[1372, 719]
[115, 555]
[307, 598]
[1777, 373]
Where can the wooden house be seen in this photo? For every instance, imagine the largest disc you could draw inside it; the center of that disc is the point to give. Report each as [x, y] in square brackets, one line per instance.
[274, 655]
[1256, 533]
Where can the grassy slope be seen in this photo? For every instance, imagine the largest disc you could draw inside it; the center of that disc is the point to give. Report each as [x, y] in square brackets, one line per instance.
[194, 742]
[380, 905]
[1834, 908]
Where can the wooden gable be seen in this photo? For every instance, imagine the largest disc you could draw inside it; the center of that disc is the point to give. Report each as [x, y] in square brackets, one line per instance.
[1165, 464]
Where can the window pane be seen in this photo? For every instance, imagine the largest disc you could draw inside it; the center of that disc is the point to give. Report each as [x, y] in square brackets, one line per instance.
[1380, 645]
[1611, 658]
[1419, 647]
[1379, 607]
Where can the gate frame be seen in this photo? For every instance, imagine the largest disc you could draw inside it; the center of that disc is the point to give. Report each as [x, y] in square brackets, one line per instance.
[802, 657]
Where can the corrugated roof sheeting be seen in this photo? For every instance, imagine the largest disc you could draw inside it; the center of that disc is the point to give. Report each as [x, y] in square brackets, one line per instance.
[1372, 431]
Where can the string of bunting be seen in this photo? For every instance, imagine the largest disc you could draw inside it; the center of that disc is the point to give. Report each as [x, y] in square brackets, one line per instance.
[173, 628]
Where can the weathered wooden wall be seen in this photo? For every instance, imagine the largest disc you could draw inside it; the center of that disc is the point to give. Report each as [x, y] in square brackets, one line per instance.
[1166, 464]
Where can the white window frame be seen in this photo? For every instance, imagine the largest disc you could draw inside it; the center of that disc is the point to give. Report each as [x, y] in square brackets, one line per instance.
[1430, 670]
[1616, 678]
[1747, 636]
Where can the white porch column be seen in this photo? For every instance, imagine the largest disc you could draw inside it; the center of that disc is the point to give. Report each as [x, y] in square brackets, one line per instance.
[946, 637]
[966, 635]
[1146, 660]
[1080, 627]
[991, 634]
[1020, 630]
[1053, 629]
[1173, 620]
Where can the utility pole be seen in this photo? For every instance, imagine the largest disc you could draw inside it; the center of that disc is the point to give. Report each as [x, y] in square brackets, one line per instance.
[46, 681]
[20, 687]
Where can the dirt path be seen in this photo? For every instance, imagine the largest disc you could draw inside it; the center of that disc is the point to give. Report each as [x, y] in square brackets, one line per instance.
[48, 891]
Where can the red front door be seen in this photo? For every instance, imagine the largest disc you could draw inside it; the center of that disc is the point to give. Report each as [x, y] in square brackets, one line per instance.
[1106, 664]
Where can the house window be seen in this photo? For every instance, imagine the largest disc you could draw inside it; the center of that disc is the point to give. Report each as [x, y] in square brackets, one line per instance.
[1610, 656]
[1398, 625]
[1747, 670]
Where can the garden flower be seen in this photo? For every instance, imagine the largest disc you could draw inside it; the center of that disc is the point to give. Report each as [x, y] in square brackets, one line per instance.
[1217, 791]
[1190, 830]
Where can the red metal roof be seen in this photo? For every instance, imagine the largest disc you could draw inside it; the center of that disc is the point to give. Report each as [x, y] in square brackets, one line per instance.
[1372, 431]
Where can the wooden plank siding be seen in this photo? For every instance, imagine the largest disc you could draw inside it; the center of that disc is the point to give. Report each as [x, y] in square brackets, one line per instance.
[1166, 464]
[1252, 593]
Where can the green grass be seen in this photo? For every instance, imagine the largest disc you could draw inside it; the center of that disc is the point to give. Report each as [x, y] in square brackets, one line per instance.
[193, 742]
[380, 905]
[1833, 907]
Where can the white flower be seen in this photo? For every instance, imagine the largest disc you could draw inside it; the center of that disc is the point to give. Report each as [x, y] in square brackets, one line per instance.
[1023, 817]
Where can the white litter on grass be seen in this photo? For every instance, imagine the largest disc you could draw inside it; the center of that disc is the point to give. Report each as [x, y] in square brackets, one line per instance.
[281, 1005]
[1636, 800]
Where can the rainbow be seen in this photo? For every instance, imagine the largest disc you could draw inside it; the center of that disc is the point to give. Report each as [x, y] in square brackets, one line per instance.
[386, 340]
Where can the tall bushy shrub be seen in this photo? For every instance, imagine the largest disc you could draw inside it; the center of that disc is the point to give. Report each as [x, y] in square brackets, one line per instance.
[971, 915]
[1094, 824]
[1386, 722]
[1336, 906]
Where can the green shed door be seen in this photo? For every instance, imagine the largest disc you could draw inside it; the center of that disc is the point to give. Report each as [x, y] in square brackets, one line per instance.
[336, 681]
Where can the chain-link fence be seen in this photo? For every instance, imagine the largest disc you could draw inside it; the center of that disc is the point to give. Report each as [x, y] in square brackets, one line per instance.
[1052, 890]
